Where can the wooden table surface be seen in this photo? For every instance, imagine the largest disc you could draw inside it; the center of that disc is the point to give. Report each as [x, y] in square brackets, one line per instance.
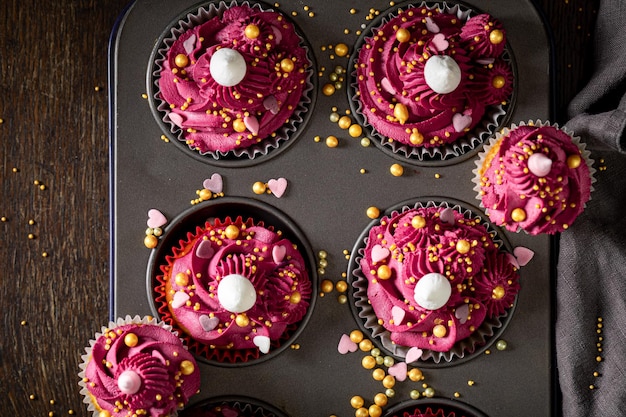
[54, 205]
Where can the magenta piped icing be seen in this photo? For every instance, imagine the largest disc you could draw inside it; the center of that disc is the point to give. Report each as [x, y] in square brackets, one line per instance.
[390, 72]
[521, 194]
[164, 374]
[421, 241]
[272, 264]
[214, 117]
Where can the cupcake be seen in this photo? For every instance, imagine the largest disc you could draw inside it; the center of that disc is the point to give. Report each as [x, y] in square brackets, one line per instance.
[235, 288]
[137, 367]
[436, 407]
[433, 278]
[233, 407]
[534, 177]
[432, 82]
[231, 81]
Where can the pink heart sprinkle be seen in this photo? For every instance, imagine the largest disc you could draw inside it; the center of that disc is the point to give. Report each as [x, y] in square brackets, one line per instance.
[278, 253]
[462, 313]
[215, 184]
[252, 124]
[386, 85]
[180, 298]
[176, 118]
[277, 186]
[189, 44]
[460, 122]
[262, 342]
[523, 255]
[539, 164]
[447, 215]
[204, 250]
[431, 25]
[271, 104]
[513, 260]
[379, 253]
[155, 219]
[413, 354]
[208, 323]
[439, 42]
[346, 345]
[397, 314]
[398, 371]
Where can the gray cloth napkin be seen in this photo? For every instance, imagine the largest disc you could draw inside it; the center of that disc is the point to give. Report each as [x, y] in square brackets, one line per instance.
[591, 271]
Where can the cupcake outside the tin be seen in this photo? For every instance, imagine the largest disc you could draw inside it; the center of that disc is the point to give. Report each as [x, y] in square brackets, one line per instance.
[534, 177]
[233, 81]
[137, 366]
[433, 279]
[237, 290]
[433, 82]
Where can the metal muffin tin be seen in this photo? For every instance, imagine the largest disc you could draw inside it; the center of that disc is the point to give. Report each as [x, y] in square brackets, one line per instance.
[327, 197]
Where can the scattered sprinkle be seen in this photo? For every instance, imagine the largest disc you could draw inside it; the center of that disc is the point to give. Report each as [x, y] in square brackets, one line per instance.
[373, 212]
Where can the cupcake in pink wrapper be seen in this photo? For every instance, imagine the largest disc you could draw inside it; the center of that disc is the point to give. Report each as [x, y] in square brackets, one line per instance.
[137, 367]
[534, 177]
[232, 81]
[235, 289]
[432, 278]
[430, 80]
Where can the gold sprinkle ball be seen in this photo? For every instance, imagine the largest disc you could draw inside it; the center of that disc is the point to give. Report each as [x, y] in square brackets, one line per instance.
[231, 231]
[375, 410]
[187, 367]
[328, 89]
[326, 286]
[357, 401]
[131, 340]
[252, 31]
[181, 60]
[356, 336]
[396, 170]
[344, 122]
[403, 35]
[341, 49]
[380, 399]
[150, 241]
[355, 130]
[518, 215]
[259, 187]
[373, 212]
[332, 141]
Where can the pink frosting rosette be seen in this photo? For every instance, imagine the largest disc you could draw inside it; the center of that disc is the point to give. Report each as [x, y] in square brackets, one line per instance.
[429, 80]
[232, 80]
[534, 177]
[432, 277]
[138, 366]
[234, 288]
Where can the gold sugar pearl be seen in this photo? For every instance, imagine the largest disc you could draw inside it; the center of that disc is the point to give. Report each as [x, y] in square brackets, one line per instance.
[496, 36]
[378, 374]
[383, 272]
[416, 138]
[357, 401]
[181, 279]
[341, 286]
[518, 215]
[205, 194]
[366, 345]
[380, 399]
[396, 170]
[341, 49]
[242, 320]
[463, 246]
[574, 161]
[361, 412]
[368, 362]
[295, 297]
[415, 374]
[259, 187]
[328, 89]
[287, 65]
[187, 367]
[355, 130]
[403, 35]
[131, 339]
[344, 122]
[356, 336]
[150, 241]
[375, 411]
[326, 286]
[440, 330]
[498, 292]
[373, 212]
[181, 60]
[239, 126]
[231, 231]
[418, 222]
[498, 81]
[252, 31]
[389, 381]
[332, 141]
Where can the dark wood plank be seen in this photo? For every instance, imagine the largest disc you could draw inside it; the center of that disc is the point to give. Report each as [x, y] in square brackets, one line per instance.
[54, 171]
